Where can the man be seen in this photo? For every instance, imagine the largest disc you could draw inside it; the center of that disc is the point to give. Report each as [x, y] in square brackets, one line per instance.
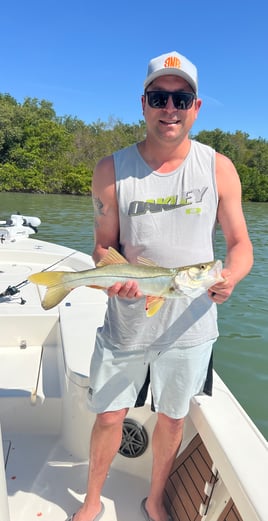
[160, 199]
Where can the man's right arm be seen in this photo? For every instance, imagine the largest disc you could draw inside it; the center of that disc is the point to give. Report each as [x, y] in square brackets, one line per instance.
[106, 222]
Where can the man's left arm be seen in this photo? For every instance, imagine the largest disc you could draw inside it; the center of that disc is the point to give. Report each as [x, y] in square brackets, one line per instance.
[239, 251]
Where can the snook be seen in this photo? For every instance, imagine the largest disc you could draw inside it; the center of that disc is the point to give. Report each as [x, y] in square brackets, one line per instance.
[156, 283]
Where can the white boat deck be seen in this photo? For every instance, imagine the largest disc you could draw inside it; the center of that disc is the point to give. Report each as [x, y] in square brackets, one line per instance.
[46, 482]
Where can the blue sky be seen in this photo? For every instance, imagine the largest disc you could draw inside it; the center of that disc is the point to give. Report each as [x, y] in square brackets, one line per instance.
[89, 58]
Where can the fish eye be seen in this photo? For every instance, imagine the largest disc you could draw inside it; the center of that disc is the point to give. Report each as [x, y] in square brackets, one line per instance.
[197, 271]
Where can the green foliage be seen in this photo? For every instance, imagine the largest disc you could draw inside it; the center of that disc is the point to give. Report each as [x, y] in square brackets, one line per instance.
[250, 157]
[40, 152]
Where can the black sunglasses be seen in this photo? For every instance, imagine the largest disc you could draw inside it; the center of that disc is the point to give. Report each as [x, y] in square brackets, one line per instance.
[158, 99]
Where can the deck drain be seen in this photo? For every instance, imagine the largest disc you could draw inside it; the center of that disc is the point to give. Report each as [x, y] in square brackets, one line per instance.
[134, 439]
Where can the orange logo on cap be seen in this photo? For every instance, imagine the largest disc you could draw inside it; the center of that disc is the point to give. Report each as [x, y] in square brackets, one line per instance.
[172, 61]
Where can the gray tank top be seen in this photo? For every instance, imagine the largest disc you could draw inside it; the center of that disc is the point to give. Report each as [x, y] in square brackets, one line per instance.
[170, 219]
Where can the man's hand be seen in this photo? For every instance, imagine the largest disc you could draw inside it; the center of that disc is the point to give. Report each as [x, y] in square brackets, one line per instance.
[129, 289]
[221, 291]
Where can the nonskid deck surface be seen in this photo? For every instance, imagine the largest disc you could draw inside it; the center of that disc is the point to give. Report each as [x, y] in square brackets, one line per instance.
[45, 482]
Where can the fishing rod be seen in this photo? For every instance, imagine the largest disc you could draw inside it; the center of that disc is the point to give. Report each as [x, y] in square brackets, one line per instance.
[10, 291]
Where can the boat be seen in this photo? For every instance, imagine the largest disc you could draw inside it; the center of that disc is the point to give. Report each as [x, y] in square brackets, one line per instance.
[220, 473]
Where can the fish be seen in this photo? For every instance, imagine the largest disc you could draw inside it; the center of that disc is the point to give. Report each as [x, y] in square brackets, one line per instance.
[155, 282]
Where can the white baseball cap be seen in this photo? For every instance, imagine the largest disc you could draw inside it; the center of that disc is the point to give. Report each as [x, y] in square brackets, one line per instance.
[175, 64]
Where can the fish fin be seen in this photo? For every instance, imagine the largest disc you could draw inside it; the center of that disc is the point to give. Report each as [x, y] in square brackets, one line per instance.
[56, 290]
[112, 257]
[54, 296]
[47, 278]
[153, 304]
[146, 262]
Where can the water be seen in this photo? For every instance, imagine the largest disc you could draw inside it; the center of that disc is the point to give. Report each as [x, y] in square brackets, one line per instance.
[241, 354]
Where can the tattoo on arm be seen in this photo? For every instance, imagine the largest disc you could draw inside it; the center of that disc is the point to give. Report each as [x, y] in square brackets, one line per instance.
[98, 206]
[98, 209]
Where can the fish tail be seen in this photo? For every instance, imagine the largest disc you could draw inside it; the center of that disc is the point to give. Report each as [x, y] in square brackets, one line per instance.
[56, 287]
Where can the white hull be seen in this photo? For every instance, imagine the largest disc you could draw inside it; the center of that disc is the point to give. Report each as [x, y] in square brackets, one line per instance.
[44, 362]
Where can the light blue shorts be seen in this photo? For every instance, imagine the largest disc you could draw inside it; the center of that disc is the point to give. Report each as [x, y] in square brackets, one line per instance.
[120, 379]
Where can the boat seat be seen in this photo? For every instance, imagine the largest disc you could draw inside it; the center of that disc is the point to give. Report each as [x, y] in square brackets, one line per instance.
[19, 370]
[79, 319]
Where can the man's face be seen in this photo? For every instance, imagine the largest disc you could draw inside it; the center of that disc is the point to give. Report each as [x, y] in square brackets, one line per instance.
[169, 123]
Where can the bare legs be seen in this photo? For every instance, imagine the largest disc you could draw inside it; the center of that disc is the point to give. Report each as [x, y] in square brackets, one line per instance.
[105, 442]
[166, 441]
